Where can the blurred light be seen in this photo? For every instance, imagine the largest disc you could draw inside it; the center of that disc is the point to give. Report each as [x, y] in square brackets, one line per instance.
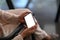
[31, 5]
[19, 3]
[3, 5]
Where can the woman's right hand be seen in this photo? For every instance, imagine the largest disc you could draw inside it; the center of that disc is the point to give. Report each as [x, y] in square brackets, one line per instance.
[28, 31]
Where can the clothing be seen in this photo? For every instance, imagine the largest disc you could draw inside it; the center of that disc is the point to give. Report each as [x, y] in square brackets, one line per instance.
[9, 21]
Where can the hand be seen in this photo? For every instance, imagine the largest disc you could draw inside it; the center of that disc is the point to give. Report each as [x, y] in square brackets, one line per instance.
[21, 17]
[23, 14]
[28, 31]
[47, 38]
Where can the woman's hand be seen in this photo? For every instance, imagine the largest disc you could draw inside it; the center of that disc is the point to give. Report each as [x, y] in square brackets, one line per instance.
[47, 38]
[23, 13]
[21, 17]
[28, 31]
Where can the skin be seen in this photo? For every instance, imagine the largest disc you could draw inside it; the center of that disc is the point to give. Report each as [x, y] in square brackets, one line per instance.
[27, 31]
[47, 38]
[22, 13]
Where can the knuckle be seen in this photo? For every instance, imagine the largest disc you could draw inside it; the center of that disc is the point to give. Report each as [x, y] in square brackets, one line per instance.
[28, 10]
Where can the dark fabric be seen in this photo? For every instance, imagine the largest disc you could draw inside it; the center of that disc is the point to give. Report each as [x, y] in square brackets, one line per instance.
[33, 37]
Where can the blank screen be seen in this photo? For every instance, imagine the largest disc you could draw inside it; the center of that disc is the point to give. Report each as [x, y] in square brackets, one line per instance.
[29, 20]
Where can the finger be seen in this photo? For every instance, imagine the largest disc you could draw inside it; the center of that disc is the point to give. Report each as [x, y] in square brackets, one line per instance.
[25, 13]
[33, 28]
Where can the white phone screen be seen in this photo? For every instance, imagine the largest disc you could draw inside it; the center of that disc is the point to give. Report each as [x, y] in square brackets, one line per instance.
[29, 20]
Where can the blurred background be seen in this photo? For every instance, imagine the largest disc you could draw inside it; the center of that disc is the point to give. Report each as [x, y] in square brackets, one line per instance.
[46, 12]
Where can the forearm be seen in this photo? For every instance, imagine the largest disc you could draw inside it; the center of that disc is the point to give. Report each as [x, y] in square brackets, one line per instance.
[8, 17]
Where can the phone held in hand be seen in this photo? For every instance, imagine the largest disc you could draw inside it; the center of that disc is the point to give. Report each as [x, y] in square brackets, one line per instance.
[29, 20]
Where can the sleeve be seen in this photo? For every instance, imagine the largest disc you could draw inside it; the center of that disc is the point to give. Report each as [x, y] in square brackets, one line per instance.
[39, 33]
[8, 17]
[19, 37]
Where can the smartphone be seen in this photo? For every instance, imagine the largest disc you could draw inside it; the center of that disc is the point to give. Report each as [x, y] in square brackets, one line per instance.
[29, 20]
